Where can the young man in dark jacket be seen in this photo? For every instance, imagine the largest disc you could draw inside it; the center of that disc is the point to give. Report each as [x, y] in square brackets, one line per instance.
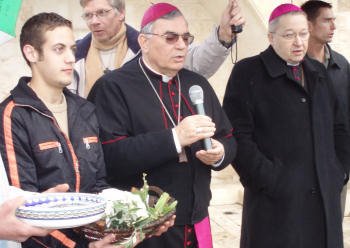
[49, 135]
[322, 27]
[293, 146]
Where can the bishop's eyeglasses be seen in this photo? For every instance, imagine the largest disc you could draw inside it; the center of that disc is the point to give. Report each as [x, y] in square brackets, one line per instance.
[303, 35]
[172, 37]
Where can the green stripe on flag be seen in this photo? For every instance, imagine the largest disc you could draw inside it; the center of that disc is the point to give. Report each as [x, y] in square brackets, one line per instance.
[8, 15]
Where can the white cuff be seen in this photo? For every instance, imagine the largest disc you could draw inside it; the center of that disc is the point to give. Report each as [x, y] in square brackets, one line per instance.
[217, 164]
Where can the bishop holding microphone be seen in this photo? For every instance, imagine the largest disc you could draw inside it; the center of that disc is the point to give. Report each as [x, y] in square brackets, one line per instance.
[150, 123]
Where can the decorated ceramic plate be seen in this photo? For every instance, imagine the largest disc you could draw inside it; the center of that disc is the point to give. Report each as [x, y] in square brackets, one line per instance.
[62, 210]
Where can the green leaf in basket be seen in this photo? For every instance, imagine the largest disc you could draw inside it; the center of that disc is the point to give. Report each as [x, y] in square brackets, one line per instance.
[169, 207]
[161, 203]
[144, 190]
[125, 215]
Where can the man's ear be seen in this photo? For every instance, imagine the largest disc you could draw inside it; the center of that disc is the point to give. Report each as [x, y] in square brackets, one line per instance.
[143, 42]
[121, 16]
[30, 53]
[310, 25]
[270, 37]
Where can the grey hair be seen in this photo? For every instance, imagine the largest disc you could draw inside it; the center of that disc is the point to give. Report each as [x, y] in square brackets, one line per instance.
[117, 4]
[273, 25]
[148, 28]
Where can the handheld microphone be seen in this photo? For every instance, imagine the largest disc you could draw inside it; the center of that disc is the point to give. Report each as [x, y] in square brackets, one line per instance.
[197, 99]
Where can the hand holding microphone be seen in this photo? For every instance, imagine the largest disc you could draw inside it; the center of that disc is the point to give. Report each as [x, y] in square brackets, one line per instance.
[213, 155]
[197, 99]
[200, 127]
[196, 127]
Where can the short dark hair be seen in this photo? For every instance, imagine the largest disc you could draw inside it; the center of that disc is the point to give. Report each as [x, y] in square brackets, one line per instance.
[312, 8]
[34, 28]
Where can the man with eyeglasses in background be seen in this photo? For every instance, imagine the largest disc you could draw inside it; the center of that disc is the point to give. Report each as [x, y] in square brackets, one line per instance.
[112, 42]
[148, 124]
[293, 144]
[322, 26]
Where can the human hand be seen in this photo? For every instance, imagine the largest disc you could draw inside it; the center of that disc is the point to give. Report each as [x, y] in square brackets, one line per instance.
[58, 188]
[106, 242]
[194, 128]
[232, 15]
[211, 156]
[163, 228]
[12, 228]
[109, 240]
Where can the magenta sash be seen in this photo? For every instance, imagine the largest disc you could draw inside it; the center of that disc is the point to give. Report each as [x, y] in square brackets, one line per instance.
[203, 233]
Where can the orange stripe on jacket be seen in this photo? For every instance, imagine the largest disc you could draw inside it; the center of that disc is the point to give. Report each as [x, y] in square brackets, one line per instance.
[75, 165]
[49, 145]
[63, 239]
[13, 167]
[10, 150]
[92, 139]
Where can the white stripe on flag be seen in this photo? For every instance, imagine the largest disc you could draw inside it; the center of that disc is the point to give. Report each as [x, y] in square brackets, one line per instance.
[4, 37]
[9, 10]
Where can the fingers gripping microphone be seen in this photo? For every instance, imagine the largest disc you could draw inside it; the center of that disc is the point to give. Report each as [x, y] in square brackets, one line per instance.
[197, 99]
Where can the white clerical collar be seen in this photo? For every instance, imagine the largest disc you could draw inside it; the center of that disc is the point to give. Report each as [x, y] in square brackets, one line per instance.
[291, 64]
[165, 78]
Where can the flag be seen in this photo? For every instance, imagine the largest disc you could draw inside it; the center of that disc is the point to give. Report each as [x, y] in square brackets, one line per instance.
[9, 10]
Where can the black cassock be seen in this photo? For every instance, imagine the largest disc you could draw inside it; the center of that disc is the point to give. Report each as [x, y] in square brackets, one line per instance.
[136, 135]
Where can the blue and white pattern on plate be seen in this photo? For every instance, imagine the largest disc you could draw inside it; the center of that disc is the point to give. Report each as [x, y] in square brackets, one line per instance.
[62, 210]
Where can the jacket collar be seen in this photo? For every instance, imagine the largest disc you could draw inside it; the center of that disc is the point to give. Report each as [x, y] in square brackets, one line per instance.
[22, 94]
[334, 60]
[276, 66]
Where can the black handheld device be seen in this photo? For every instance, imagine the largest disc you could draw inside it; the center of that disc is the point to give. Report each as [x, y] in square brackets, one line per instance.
[237, 29]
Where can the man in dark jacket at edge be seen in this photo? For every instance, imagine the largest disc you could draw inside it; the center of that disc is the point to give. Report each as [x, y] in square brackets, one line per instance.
[49, 136]
[293, 146]
[148, 124]
[322, 27]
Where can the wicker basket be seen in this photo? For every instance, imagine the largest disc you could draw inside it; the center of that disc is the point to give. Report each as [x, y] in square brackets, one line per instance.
[97, 230]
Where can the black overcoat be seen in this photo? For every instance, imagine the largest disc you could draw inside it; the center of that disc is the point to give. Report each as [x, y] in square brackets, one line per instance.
[293, 153]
